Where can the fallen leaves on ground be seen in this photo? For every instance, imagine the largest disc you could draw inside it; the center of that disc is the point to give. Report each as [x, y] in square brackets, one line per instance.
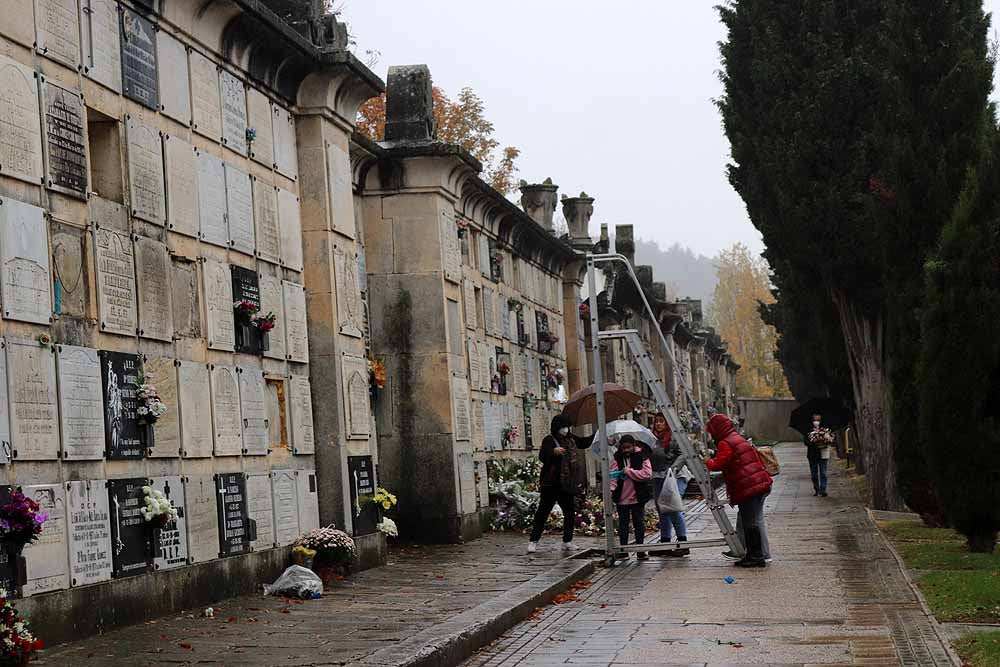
[571, 594]
[185, 645]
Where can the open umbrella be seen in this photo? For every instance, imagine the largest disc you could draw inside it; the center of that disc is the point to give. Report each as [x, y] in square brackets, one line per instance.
[582, 406]
[621, 427]
[835, 415]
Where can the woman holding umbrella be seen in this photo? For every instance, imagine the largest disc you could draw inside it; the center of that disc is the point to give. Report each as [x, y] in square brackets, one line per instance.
[817, 419]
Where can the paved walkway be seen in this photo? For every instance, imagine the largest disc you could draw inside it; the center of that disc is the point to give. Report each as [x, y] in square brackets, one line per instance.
[834, 596]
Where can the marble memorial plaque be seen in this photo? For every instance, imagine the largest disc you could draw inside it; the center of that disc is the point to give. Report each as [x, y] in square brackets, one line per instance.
[195, 412]
[469, 298]
[57, 31]
[81, 413]
[290, 226]
[212, 200]
[473, 351]
[478, 438]
[265, 218]
[253, 407]
[89, 532]
[102, 58]
[234, 112]
[200, 508]
[108, 214]
[259, 120]
[271, 302]
[65, 146]
[305, 482]
[338, 164]
[350, 307]
[219, 305]
[175, 93]
[129, 535]
[161, 372]
[152, 261]
[145, 172]
[300, 403]
[25, 279]
[249, 339]
[5, 444]
[296, 330]
[183, 198]
[357, 409]
[206, 104]
[239, 207]
[186, 297]
[260, 509]
[227, 423]
[451, 250]
[46, 558]
[116, 292]
[285, 495]
[19, 21]
[460, 402]
[286, 159]
[171, 548]
[124, 436]
[138, 59]
[20, 127]
[234, 523]
[487, 366]
[489, 311]
[467, 482]
[34, 408]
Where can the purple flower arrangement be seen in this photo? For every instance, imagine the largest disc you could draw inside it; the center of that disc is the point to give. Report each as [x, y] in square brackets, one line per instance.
[20, 520]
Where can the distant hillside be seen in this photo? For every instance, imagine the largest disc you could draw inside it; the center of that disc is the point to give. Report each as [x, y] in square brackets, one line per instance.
[685, 274]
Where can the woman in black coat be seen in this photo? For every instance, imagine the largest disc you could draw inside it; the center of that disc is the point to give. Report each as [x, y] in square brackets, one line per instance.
[561, 480]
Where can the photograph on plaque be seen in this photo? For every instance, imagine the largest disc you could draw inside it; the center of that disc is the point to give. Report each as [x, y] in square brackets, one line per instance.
[226, 419]
[239, 207]
[253, 407]
[163, 439]
[234, 112]
[290, 226]
[24, 263]
[65, 145]
[21, 133]
[145, 171]
[182, 176]
[34, 409]
[102, 57]
[81, 412]
[260, 509]
[175, 93]
[300, 401]
[130, 548]
[357, 406]
[212, 200]
[286, 159]
[124, 436]
[5, 444]
[249, 338]
[235, 529]
[285, 495]
[46, 559]
[152, 262]
[194, 411]
[271, 302]
[206, 105]
[350, 307]
[57, 31]
[219, 305]
[296, 333]
[361, 474]
[89, 532]
[305, 482]
[138, 59]
[265, 220]
[259, 120]
[171, 548]
[200, 506]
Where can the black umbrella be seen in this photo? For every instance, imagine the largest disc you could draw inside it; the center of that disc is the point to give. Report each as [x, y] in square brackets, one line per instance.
[835, 415]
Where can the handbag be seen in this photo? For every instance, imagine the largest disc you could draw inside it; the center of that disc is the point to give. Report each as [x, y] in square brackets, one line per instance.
[670, 499]
[769, 460]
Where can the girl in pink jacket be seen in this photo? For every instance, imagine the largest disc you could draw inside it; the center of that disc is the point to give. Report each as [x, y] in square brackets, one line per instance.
[631, 489]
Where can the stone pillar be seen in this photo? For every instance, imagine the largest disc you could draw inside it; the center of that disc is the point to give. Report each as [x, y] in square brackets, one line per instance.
[625, 243]
[409, 105]
[539, 201]
[578, 211]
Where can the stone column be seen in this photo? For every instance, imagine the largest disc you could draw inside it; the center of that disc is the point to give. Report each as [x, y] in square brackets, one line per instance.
[625, 243]
[539, 201]
[578, 211]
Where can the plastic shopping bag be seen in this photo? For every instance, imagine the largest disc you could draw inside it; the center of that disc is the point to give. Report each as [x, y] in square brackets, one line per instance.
[670, 498]
[296, 582]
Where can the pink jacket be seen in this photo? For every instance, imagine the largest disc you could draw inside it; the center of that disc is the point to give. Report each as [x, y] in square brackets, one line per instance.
[628, 496]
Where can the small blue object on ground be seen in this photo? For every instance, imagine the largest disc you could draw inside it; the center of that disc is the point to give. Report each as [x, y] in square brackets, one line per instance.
[730, 580]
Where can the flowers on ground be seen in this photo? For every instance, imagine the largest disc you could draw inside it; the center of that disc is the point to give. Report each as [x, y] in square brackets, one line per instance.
[388, 527]
[17, 645]
[20, 520]
[330, 544]
[151, 407]
[157, 509]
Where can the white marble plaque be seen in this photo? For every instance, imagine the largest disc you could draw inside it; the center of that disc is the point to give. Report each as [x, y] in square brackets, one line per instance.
[338, 164]
[116, 295]
[212, 200]
[253, 406]
[107, 213]
[234, 112]
[183, 198]
[161, 372]
[286, 159]
[172, 66]
[300, 404]
[145, 172]
[239, 205]
[81, 413]
[5, 446]
[357, 409]
[206, 105]
[290, 226]
[260, 509]
[227, 423]
[473, 350]
[305, 481]
[296, 330]
[89, 532]
[152, 262]
[460, 403]
[46, 559]
[57, 30]
[451, 250]
[487, 366]
[19, 21]
[489, 321]
[467, 482]
[201, 516]
[259, 119]
[195, 409]
[285, 495]
[102, 58]
[271, 302]
[469, 298]
[20, 123]
[25, 280]
[478, 427]
[350, 308]
[219, 305]
[172, 546]
[265, 218]
[34, 409]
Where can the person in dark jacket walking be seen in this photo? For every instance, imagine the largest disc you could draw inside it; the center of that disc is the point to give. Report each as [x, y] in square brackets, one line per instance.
[747, 483]
[560, 482]
[631, 489]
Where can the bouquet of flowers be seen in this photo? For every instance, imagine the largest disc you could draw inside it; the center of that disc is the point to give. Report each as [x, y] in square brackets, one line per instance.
[20, 520]
[150, 407]
[376, 370]
[384, 498]
[387, 527]
[514, 304]
[554, 378]
[510, 435]
[17, 644]
[503, 368]
[462, 226]
[156, 509]
[821, 436]
[585, 310]
[245, 310]
[251, 135]
[263, 322]
[330, 544]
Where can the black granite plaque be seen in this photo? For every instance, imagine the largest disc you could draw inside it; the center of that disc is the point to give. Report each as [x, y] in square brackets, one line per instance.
[236, 530]
[64, 143]
[246, 287]
[9, 575]
[542, 327]
[528, 442]
[123, 435]
[130, 536]
[361, 473]
[139, 59]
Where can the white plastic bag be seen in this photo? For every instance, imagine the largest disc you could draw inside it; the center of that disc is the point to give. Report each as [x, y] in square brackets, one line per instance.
[296, 582]
[670, 497]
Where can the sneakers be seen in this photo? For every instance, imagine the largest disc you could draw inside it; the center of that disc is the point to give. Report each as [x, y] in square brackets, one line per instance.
[569, 546]
[642, 555]
[751, 562]
[730, 555]
[532, 547]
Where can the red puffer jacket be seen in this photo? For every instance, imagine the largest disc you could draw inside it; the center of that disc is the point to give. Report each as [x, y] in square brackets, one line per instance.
[738, 460]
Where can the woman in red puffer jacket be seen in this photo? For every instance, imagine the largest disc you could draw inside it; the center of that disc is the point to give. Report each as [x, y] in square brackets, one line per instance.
[747, 483]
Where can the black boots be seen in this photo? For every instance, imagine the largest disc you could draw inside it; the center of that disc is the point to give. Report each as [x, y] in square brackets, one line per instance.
[680, 553]
[754, 557]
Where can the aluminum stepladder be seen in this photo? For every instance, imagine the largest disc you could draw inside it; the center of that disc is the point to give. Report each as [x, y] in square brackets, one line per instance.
[643, 359]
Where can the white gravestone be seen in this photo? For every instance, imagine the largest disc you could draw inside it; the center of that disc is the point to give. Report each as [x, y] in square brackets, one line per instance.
[175, 92]
[183, 198]
[296, 331]
[161, 372]
[116, 295]
[271, 302]
[234, 113]
[171, 549]
[259, 119]
[145, 172]
[474, 370]
[206, 103]
[253, 406]
[81, 411]
[226, 419]
[24, 263]
[469, 298]
[300, 400]
[260, 509]
[19, 21]
[57, 30]
[305, 482]
[47, 558]
[350, 307]
[265, 218]
[195, 409]
[462, 414]
[34, 409]
[201, 516]
[5, 446]
[152, 261]
[286, 159]
[338, 164]
[290, 226]
[89, 532]
[219, 305]
[20, 124]
[107, 213]
[357, 408]
[239, 207]
[451, 251]
[102, 58]
[285, 495]
[212, 200]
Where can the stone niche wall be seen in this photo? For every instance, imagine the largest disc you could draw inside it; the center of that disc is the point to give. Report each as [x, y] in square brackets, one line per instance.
[145, 188]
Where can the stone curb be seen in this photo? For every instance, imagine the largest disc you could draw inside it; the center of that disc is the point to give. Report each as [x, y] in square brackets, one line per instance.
[449, 643]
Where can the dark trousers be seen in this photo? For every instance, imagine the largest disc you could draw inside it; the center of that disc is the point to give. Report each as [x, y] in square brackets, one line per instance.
[752, 516]
[550, 496]
[637, 514]
[817, 467]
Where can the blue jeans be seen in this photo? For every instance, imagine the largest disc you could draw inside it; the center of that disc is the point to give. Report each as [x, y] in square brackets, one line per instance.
[670, 521]
[817, 467]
